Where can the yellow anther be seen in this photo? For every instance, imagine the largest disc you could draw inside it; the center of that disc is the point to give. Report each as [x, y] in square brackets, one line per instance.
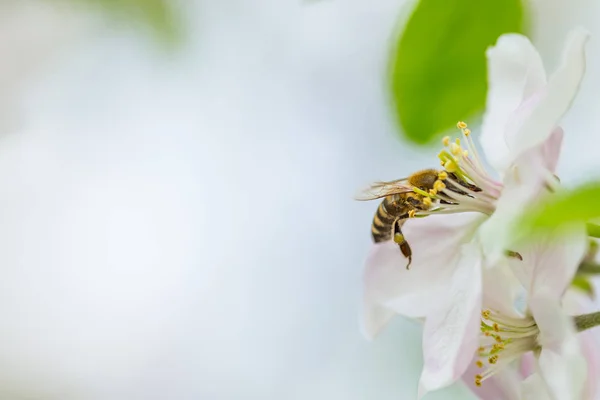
[479, 364]
[461, 125]
[439, 185]
[411, 213]
[432, 192]
[427, 202]
[486, 314]
[457, 140]
[465, 153]
[499, 339]
[487, 333]
[477, 383]
[455, 149]
[481, 349]
[478, 377]
[449, 166]
[446, 140]
[466, 132]
[493, 359]
[442, 176]
[498, 346]
[496, 327]
[442, 163]
[398, 238]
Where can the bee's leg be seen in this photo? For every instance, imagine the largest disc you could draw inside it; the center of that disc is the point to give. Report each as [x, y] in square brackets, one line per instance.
[401, 242]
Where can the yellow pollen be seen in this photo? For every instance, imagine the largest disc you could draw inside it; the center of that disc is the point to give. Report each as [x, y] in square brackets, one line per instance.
[499, 340]
[439, 185]
[398, 238]
[486, 314]
[442, 163]
[427, 202]
[457, 140]
[446, 140]
[493, 359]
[432, 192]
[481, 349]
[466, 132]
[496, 327]
[449, 166]
[498, 346]
[455, 149]
[411, 213]
[479, 364]
[477, 383]
[461, 125]
[442, 176]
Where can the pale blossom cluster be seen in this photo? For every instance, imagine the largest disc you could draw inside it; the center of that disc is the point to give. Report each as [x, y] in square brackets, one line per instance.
[497, 312]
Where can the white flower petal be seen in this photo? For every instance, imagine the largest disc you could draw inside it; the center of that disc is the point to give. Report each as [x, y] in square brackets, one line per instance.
[390, 288]
[523, 184]
[536, 119]
[576, 302]
[549, 152]
[534, 387]
[551, 261]
[501, 290]
[451, 336]
[515, 71]
[561, 363]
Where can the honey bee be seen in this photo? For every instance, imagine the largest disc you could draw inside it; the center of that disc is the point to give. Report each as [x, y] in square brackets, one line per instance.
[399, 203]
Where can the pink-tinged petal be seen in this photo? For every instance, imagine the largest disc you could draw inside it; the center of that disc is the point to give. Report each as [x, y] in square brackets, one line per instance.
[533, 123]
[451, 336]
[515, 71]
[575, 302]
[590, 347]
[524, 183]
[527, 364]
[549, 151]
[561, 363]
[390, 288]
[551, 260]
[504, 385]
[496, 234]
[534, 387]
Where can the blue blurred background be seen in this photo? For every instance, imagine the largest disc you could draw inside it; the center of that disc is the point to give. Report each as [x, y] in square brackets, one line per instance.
[176, 215]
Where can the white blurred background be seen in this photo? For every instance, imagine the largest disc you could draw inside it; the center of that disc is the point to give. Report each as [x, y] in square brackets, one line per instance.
[180, 224]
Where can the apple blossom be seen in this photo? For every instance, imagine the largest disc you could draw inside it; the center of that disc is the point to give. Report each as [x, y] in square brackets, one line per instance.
[521, 140]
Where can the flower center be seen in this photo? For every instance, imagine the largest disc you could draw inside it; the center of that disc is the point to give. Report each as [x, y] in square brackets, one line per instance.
[503, 340]
[464, 185]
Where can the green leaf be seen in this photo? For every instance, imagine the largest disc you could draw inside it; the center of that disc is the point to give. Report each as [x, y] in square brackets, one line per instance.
[578, 205]
[439, 66]
[593, 230]
[582, 283]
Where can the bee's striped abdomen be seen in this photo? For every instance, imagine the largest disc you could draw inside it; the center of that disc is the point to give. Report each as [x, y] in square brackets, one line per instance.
[384, 219]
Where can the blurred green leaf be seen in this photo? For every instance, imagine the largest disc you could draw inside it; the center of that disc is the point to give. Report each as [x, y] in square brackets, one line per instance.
[582, 283]
[593, 230]
[159, 15]
[580, 204]
[439, 66]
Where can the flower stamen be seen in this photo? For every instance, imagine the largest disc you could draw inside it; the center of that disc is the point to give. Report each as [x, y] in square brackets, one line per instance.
[519, 335]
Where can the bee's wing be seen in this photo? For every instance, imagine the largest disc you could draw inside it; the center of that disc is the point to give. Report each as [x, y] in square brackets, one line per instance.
[384, 189]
